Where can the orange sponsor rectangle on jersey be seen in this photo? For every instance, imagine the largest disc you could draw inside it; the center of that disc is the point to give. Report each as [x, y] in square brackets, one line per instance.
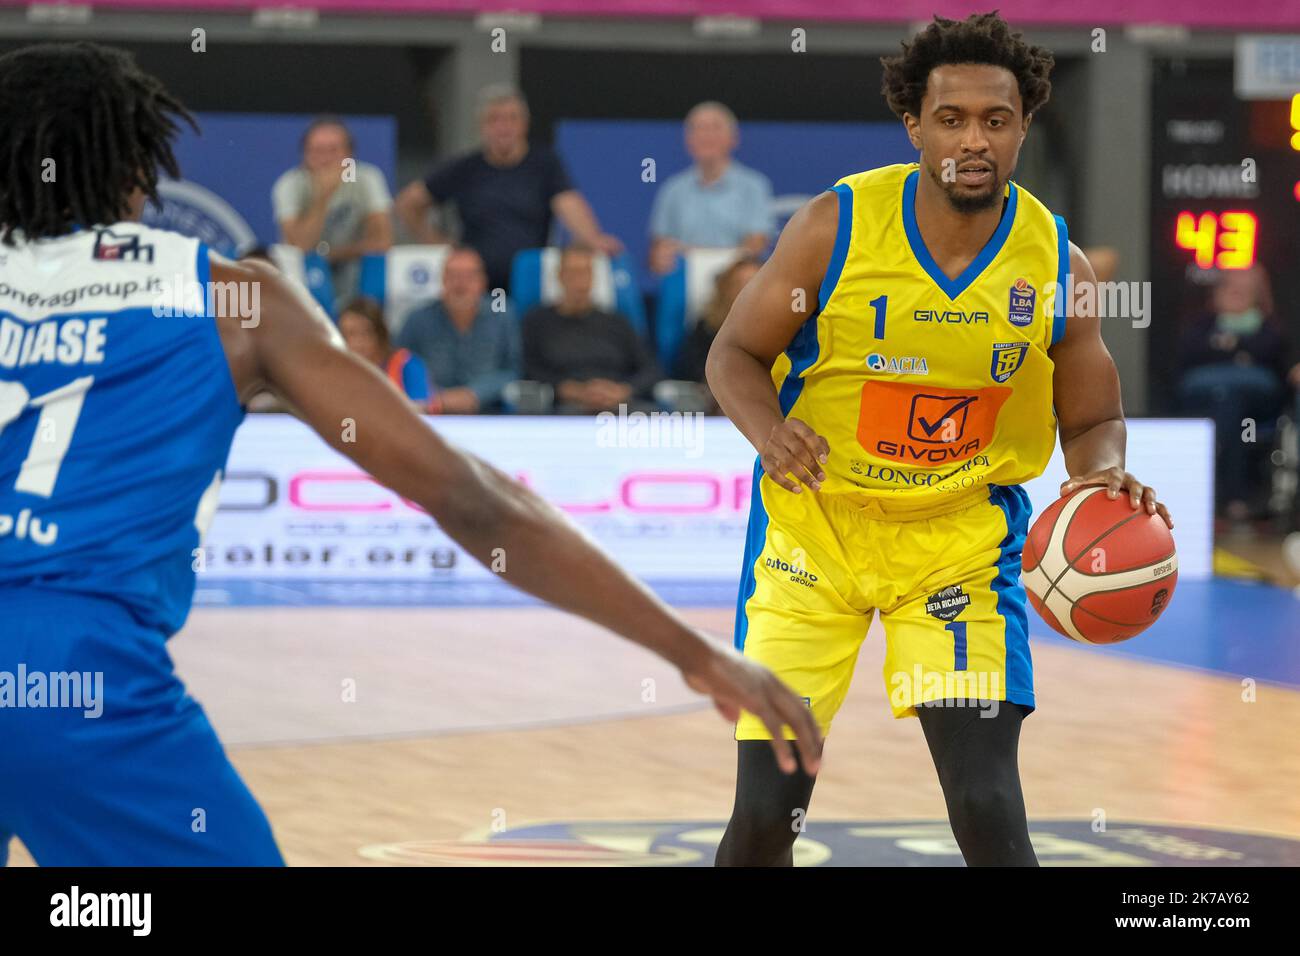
[925, 425]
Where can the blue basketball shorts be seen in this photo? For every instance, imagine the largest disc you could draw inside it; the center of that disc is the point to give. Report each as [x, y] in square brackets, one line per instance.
[105, 759]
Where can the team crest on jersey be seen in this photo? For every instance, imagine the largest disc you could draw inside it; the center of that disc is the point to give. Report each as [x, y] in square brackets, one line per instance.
[1007, 359]
[1021, 309]
[112, 247]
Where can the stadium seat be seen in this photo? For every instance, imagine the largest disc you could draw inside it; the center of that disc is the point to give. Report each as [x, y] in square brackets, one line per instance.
[373, 280]
[683, 295]
[308, 269]
[534, 280]
[404, 279]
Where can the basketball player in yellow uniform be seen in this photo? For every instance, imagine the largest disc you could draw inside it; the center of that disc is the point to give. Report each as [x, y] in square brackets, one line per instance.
[902, 364]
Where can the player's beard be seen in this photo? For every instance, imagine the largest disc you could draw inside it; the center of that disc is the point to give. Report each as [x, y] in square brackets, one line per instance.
[964, 200]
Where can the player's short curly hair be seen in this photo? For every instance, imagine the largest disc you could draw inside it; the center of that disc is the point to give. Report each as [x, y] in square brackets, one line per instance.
[980, 38]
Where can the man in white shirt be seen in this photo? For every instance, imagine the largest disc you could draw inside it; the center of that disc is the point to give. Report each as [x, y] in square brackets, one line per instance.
[334, 205]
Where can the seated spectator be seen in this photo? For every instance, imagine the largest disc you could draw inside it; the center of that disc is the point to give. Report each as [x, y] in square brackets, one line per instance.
[471, 349]
[1232, 368]
[717, 202]
[362, 324]
[594, 359]
[694, 350]
[505, 192]
[340, 211]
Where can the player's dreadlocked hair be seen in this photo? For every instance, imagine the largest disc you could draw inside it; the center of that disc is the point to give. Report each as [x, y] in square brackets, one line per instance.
[105, 123]
[980, 38]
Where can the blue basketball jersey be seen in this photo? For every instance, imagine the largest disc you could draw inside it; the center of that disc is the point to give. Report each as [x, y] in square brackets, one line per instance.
[117, 411]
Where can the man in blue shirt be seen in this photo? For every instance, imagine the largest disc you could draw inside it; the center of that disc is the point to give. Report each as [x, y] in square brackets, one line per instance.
[470, 341]
[718, 202]
[505, 192]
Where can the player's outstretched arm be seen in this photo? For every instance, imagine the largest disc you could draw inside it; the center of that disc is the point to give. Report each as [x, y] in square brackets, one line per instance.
[1089, 410]
[761, 324]
[296, 351]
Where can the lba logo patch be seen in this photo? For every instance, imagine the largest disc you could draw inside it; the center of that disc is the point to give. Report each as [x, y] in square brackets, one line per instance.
[1007, 359]
[1021, 309]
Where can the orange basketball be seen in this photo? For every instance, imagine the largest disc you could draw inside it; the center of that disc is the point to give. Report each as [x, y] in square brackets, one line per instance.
[1097, 570]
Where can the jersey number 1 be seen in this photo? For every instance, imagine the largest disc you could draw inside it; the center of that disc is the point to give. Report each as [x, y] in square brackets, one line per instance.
[880, 304]
[60, 410]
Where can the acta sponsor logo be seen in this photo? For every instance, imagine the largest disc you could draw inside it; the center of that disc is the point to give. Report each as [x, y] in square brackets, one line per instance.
[898, 364]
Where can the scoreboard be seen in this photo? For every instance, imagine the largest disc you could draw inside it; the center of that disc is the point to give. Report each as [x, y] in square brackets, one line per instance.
[1225, 194]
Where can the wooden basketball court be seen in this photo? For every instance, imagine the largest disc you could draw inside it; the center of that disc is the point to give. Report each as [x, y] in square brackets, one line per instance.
[369, 729]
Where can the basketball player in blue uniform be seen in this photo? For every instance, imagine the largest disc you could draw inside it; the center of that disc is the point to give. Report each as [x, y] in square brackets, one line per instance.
[115, 423]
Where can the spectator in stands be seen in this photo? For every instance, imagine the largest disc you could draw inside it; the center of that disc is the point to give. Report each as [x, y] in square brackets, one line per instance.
[333, 205]
[594, 359]
[694, 350]
[505, 192]
[717, 202]
[469, 341]
[1233, 367]
[361, 322]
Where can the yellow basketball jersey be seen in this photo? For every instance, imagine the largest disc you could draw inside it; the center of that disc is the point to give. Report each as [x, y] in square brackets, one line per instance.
[924, 385]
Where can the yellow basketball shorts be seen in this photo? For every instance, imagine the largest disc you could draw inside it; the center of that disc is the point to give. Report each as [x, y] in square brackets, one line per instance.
[946, 580]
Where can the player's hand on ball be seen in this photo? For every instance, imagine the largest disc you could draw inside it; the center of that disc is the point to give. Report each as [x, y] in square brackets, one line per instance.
[795, 449]
[736, 683]
[1117, 482]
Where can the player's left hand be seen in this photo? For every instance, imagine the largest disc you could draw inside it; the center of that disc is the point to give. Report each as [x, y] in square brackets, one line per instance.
[735, 683]
[1118, 481]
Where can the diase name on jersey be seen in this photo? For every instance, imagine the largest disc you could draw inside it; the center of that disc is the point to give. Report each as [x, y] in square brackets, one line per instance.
[70, 342]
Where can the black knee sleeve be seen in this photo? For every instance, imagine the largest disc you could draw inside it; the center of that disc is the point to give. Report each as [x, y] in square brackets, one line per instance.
[975, 757]
[769, 812]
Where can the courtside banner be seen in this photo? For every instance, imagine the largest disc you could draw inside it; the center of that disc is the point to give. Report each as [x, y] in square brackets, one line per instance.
[667, 496]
